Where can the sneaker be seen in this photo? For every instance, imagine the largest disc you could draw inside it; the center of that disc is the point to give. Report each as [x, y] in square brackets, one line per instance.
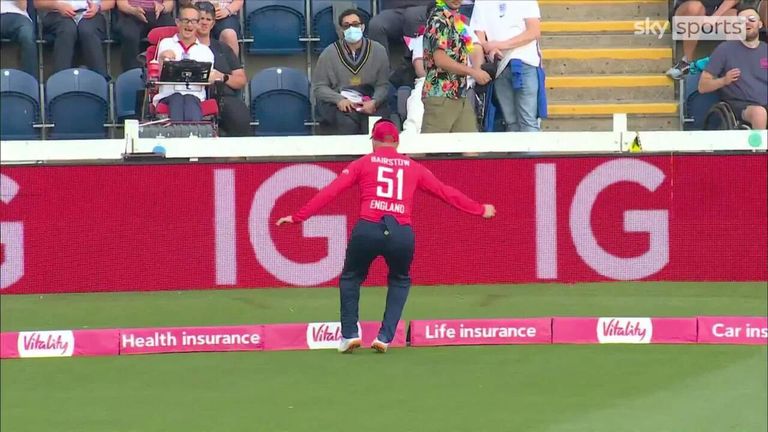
[379, 346]
[349, 345]
[679, 70]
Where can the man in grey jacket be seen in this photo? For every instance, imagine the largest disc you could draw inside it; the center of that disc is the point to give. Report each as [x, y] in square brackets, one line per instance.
[351, 79]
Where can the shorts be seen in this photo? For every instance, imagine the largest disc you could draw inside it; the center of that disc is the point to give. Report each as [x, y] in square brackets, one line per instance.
[230, 22]
[710, 5]
[738, 107]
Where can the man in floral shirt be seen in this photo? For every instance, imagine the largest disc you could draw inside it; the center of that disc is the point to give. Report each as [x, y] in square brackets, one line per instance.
[447, 50]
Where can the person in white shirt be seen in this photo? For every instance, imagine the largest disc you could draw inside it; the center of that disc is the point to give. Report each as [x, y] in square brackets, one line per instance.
[16, 25]
[73, 21]
[509, 32]
[414, 105]
[183, 103]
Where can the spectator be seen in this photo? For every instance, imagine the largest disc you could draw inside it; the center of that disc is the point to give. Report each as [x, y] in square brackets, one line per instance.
[397, 19]
[447, 48]
[227, 68]
[509, 32]
[414, 105]
[76, 21]
[183, 102]
[227, 28]
[739, 71]
[16, 25]
[697, 8]
[135, 19]
[350, 81]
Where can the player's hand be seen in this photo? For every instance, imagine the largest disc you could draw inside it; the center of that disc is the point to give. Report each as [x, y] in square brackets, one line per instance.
[284, 220]
[732, 76]
[368, 107]
[345, 105]
[481, 76]
[159, 9]
[489, 211]
[66, 9]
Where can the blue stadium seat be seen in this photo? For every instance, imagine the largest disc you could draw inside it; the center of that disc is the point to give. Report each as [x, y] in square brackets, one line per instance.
[77, 104]
[323, 24]
[280, 102]
[275, 26]
[697, 105]
[19, 105]
[127, 86]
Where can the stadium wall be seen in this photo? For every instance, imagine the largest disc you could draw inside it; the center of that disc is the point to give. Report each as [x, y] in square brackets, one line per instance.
[682, 217]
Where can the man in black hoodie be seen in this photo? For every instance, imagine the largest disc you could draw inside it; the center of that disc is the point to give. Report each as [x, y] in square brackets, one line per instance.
[398, 18]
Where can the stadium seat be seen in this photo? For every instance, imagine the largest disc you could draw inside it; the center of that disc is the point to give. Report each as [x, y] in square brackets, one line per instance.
[280, 102]
[19, 105]
[275, 27]
[155, 36]
[127, 88]
[697, 105]
[77, 104]
[323, 25]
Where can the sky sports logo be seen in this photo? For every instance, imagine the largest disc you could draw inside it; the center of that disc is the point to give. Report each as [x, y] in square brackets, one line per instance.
[695, 28]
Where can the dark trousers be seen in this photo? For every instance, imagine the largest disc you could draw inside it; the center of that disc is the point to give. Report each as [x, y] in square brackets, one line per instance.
[393, 24]
[234, 117]
[369, 240]
[335, 122]
[183, 107]
[89, 32]
[20, 29]
[132, 31]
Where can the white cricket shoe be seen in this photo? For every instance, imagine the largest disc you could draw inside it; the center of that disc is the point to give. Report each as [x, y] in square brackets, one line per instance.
[379, 346]
[349, 345]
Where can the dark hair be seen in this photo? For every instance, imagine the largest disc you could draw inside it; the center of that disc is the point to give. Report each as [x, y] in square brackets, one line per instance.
[748, 6]
[188, 6]
[347, 13]
[207, 7]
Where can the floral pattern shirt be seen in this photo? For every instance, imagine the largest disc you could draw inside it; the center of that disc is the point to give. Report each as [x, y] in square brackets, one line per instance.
[441, 34]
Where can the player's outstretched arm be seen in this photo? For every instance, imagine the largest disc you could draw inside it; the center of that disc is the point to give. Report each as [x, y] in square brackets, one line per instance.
[454, 197]
[347, 178]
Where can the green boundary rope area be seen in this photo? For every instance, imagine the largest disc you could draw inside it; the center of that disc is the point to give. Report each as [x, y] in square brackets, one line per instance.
[563, 388]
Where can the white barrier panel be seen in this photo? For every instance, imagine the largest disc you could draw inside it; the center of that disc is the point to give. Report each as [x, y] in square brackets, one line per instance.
[20, 152]
[13, 152]
[697, 141]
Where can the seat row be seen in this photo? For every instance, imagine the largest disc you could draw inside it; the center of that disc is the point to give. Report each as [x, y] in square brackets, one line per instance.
[81, 104]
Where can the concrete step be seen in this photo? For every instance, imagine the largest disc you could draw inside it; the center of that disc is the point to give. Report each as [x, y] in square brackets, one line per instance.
[603, 107]
[617, 88]
[616, 26]
[603, 9]
[579, 61]
[601, 124]
[554, 40]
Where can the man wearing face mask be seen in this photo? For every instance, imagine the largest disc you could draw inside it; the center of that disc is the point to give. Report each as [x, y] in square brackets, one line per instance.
[350, 81]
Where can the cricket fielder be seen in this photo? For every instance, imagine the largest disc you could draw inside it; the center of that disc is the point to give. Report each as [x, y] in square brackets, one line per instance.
[387, 181]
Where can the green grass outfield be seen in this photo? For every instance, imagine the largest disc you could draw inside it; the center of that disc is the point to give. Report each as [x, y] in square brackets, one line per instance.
[563, 388]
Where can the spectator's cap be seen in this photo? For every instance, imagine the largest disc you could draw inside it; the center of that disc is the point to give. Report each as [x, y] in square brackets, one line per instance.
[385, 131]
